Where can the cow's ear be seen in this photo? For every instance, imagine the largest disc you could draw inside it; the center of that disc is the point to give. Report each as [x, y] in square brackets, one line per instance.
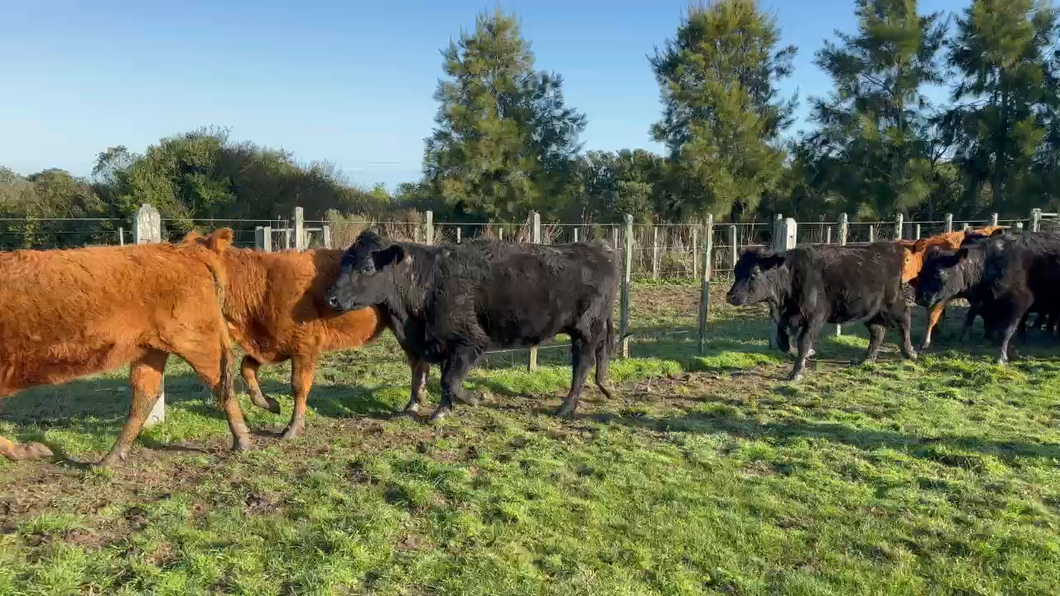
[387, 257]
[192, 237]
[771, 260]
[221, 239]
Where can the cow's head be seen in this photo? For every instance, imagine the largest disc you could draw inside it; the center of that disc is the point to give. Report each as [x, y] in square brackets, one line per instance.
[913, 259]
[755, 277]
[218, 241]
[366, 278]
[942, 276]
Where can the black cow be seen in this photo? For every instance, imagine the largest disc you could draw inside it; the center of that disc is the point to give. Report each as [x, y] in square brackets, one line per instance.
[1002, 277]
[812, 286]
[449, 304]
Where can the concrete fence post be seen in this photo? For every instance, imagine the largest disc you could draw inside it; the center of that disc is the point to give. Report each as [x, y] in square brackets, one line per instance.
[917, 232]
[1036, 220]
[898, 219]
[327, 237]
[785, 235]
[614, 237]
[299, 229]
[844, 229]
[148, 230]
[734, 254]
[872, 233]
[828, 235]
[1019, 226]
[949, 223]
[576, 234]
[704, 285]
[458, 239]
[655, 253]
[993, 219]
[263, 238]
[536, 239]
[430, 227]
[121, 236]
[627, 278]
[965, 227]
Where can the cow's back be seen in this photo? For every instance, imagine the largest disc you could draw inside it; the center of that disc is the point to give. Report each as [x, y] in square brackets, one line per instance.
[73, 312]
[852, 282]
[276, 306]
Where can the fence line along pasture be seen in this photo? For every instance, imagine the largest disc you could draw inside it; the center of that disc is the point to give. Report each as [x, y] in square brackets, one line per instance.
[697, 253]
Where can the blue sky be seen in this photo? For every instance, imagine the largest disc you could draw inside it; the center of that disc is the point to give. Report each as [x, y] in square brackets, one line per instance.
[350, 82]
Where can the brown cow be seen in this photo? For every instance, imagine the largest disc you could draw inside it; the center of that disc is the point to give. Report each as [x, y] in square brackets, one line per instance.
[70, 313]
[276, 311]
[914, 262]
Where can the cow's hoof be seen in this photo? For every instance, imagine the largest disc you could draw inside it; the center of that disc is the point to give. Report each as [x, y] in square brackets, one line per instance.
[413, 409]
[269, 404]
[113, 459]
[924, 347]
[293, 432]
[242, 444]
[30, 451]
[438, 415]
[564, 411]
[794, 377]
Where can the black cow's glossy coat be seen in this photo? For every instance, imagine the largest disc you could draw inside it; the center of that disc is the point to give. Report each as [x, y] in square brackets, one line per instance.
[812, 286]
[450, 304]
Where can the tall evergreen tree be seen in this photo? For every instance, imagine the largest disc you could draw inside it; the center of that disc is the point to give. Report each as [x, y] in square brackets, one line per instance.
[875, 125]
[722, 115]
[504, 141]
[1003, 92]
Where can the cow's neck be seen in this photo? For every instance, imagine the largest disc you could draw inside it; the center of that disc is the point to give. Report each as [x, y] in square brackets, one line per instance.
[413, 282]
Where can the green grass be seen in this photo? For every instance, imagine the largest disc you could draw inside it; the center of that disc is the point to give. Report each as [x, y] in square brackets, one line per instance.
[706, 474]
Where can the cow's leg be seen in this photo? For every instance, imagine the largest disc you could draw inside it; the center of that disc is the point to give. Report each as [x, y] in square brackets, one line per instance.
[1021, 329]
[145, 378]
[903, 319]
[603, 364]
[418, 395]
[806, 333]
[211, 362]
[583, 358]
[18, 452]
[302, 368]
[877, 330]
[248, 369]
[969, 319]
[934, 315]
[1014, 310]
[454, 371]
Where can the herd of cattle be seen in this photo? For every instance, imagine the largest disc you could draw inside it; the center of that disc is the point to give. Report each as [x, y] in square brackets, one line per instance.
[69, 313]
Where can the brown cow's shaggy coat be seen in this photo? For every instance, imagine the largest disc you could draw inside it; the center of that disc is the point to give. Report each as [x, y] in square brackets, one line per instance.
[69, 313]
[276, 311]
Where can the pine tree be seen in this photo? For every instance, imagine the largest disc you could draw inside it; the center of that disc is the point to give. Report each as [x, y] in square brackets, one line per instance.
[722, 116]
[504, 141]
[1003, 93]
[874, 128]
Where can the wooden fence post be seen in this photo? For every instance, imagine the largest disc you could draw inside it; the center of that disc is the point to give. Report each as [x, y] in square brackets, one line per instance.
[734, 255]
[148, 230]
[430, 227]
[627, 277]
[949, 223]
[704, 291]
[655, 253]
[327, 236]
[898, 219]
[299, 228]
[695, 251]
[536, 239]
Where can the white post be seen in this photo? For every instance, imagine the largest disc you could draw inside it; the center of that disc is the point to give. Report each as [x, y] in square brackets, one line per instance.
[695, 251]
[917, 232]
[299, 228]
[575, 234]
[785, 235]
[872, 233]
[532, 364]
[500, 234]
[627, 276]
[898, 218]
[844, 229]
[458, 234]
[327, 237]
[263, 238]
[734, 253]
[1036, 220]
[949, 223]
[148, 230]
[121, 236]
[993, 219]
[828, 235]
[430, 227]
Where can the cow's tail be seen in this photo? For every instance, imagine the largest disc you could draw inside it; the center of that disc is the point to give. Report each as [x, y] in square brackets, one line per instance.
[218, 242]
[614, 341]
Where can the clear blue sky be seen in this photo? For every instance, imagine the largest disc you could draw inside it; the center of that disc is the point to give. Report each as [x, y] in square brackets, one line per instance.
[346, 81]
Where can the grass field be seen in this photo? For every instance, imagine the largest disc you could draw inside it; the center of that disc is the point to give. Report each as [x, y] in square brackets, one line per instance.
[705, 475]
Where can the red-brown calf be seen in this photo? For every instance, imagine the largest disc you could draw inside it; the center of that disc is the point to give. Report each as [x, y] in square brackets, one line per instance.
[69, 313]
